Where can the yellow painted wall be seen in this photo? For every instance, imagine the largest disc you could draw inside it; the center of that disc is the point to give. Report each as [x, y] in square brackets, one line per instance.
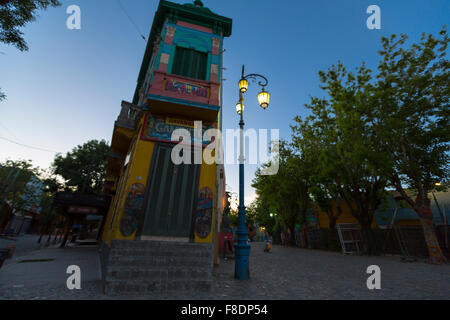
[409, 222]
[138, 172]
[208, 179]
[345, 217]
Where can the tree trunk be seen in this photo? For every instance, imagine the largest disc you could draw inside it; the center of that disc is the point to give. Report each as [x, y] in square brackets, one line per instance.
[368, 239]
[426, 220]
[423, 210]
[291, 235]
[43, 230]
[67, 231]
[50, 232]
[422, 206]
[56, 236]
[367, 234]
[332, 219]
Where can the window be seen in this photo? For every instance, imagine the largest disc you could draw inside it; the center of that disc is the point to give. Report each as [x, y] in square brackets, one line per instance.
[190, 63]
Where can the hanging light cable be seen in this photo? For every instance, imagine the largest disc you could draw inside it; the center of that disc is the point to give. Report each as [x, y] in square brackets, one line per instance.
[131, 20]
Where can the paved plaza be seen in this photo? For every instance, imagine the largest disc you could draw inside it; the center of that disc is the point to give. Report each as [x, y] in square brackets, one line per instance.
[286, 273]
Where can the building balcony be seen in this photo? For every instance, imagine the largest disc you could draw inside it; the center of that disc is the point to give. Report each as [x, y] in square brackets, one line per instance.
[129, 116]
[180, 95]
[125, 128]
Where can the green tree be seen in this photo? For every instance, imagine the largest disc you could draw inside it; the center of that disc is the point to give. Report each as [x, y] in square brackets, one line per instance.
[15, 14]
[309, 140]
[410, 113]
[15, 186]
[346, 162]
[261, 214]
[84, 168]
[286, 192]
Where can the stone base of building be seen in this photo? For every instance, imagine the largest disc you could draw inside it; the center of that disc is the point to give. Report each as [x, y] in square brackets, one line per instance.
[140, 267]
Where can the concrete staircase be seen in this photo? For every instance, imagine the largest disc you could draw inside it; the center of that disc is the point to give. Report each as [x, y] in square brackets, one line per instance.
[140, 267]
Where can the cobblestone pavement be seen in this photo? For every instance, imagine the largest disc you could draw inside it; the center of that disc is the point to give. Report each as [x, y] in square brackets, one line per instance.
[286, 273]
[24, 244]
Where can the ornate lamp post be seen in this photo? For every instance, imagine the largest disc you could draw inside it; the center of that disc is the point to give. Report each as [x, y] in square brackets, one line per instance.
[242, 248]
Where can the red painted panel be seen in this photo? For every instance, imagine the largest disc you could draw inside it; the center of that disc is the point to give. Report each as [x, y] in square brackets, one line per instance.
[194, 26]
[184, 88]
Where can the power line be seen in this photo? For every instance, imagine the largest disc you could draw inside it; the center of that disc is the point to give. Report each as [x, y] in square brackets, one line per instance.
[131, 20]
[27, 146]
[12, 133]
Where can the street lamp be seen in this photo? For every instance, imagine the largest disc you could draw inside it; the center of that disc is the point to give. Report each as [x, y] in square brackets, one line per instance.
[239, 108]
[242, 248]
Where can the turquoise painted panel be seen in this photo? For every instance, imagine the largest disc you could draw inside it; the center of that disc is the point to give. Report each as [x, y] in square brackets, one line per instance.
[215, 59]
[196, 40]
[183, 102]
[197, 32]
[167, 48]
[172, 56]
[208, 68]
[160, 51]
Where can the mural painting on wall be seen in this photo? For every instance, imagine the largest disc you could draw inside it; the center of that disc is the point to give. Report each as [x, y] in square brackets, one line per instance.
[186, 88]
[203, 213]
[132, 210]
[160, 129]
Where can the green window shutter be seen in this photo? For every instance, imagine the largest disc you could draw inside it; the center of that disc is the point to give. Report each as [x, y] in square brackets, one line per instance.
[190, 63]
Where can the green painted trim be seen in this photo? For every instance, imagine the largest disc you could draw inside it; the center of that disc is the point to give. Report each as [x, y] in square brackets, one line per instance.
[208, 67]
[199, 16]
[171, 59]
[183, 44]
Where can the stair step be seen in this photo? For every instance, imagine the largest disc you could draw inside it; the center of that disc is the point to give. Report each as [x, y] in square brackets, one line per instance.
[155, 274]
[162, 253]
[157, 286]
[137, 267]
[159, 262]
[124, 244]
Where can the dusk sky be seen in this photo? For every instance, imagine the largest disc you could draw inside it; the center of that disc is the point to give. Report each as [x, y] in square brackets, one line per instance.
[68, 87]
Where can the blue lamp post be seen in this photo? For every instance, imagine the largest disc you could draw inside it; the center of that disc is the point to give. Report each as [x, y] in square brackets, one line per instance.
[242, 249]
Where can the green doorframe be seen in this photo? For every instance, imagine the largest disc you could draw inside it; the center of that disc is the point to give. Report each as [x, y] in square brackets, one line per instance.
[147, 196]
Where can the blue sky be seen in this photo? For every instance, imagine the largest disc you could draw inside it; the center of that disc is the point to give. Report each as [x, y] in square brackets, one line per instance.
[67, 89]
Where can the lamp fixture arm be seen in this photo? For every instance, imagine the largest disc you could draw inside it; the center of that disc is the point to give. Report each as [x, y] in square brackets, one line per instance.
[254, 77]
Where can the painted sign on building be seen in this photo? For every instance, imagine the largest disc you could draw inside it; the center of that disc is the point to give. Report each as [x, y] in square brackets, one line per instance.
[160, 129]
[186, 88]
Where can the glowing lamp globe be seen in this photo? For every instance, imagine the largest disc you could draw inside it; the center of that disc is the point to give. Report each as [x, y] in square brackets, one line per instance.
[264, 99]
[239, 108]
[243, 85]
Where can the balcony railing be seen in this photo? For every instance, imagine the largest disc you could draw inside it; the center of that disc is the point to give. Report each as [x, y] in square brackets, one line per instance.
[129, 116]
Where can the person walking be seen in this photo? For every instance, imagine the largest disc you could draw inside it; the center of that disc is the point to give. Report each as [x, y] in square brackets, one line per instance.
[268, 246]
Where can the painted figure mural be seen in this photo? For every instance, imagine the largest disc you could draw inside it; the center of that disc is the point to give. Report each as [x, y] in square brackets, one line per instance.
[204, 213]
[132, 209]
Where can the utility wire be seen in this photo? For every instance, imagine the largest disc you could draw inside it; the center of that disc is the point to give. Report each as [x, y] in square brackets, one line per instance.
[12, 133]
[27, 146]
[131, 20]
